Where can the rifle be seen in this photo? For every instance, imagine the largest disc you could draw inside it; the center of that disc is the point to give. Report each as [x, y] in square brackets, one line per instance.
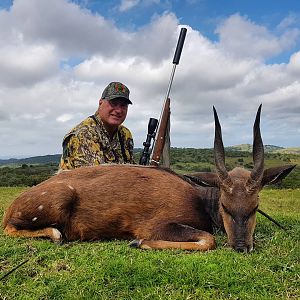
[164, 120]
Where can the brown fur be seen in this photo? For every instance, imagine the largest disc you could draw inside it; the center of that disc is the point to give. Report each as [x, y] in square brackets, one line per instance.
[154, 205]
[116, 201]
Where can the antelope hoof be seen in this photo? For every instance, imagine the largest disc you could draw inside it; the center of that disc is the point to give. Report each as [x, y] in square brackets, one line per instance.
[56, 236]
[135, 243]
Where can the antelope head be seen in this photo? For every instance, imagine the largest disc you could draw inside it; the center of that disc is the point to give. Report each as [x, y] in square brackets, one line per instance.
[237, 197]
[239, 190]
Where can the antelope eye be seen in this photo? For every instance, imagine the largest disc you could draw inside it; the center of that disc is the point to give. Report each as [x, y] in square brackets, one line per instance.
[252, 212]
[226, 210]
[247, 217]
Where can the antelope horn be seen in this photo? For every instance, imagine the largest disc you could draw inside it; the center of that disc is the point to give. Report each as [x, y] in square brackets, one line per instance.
[219, 152]
[258, 149]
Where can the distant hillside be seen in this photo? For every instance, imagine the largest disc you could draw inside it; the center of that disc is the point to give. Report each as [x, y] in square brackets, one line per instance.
[288, 151]
[45, 159]
[242, 147]
[268, 148]
[55, 158]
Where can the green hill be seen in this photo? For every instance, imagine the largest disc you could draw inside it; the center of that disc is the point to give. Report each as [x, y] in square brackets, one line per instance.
[268, 149]
[44, 159]
[288, 150]
[55, 158]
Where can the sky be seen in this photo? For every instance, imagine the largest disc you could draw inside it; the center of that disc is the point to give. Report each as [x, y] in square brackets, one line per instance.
[57, 56]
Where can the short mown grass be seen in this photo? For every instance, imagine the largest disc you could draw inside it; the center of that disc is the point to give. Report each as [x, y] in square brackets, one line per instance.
[112, 270]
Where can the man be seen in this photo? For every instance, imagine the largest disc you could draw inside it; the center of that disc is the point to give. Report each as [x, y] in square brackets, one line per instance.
[101, 138]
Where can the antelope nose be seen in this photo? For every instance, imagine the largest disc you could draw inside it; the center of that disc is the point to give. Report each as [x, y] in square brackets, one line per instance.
[243, 249]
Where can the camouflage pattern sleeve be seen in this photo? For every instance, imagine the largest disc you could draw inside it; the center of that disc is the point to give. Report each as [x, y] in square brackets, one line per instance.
[68, 158]
[128, 144]
[76, 154]
[65, 160]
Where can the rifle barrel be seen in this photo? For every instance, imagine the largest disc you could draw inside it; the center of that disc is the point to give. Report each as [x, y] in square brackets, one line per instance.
[164, 118]
[179, 46]
[176, 60]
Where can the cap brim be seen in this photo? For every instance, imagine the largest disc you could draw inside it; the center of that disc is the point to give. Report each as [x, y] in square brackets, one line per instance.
[118, 97]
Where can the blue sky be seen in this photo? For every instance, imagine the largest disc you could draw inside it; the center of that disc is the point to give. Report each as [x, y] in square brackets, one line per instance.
[196, 13]
[203, 15]
[57, 56]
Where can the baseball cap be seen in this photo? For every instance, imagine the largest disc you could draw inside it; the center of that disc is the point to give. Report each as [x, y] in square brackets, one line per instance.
[116, 90]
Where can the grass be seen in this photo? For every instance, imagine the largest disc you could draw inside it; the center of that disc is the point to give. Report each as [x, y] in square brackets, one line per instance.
[112, 270]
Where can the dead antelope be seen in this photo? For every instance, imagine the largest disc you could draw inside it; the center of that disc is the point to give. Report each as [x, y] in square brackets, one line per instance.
[154, 206]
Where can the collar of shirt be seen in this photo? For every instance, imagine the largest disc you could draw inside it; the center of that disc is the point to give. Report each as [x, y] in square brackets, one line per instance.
[103, 130]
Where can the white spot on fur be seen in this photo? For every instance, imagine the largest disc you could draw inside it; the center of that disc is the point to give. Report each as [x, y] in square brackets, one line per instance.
[40, 207]
[70, 187]
[19, 214]
[34, 219]
[201, 243]
[56, 234]
[43, 193]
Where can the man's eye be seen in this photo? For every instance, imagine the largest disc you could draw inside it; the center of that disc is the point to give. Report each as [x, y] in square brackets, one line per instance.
[118, 103]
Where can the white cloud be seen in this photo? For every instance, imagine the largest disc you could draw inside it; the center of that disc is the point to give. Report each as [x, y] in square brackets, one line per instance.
[26, 64]
[64, 118]
[290, 20]
[294, 64]
[73, 31]
[243, 38]
[128, 4]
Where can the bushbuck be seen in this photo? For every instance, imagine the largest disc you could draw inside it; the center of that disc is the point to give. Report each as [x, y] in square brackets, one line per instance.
[155, 207]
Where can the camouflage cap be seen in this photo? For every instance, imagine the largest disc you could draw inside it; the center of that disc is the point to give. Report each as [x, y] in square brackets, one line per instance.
[116, 90]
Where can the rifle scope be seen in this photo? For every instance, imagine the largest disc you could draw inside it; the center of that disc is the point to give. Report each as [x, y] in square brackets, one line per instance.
[152, 124]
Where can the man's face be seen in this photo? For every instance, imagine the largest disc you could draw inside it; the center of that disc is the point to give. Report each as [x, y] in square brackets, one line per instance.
[113, 112]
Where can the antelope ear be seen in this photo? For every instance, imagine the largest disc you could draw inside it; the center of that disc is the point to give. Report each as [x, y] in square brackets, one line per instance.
[275, 175]
[204, 178]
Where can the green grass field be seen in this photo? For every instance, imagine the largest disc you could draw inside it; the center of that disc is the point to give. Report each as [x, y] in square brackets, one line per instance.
[112, 270]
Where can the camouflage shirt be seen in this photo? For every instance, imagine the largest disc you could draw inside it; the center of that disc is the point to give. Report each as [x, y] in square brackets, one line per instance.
[89, 144]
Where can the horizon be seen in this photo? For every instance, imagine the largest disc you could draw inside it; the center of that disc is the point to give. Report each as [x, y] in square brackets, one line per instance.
[232, 146]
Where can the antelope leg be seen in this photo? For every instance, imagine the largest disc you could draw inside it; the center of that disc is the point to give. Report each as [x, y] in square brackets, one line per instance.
[50, 232]
[178, 236]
